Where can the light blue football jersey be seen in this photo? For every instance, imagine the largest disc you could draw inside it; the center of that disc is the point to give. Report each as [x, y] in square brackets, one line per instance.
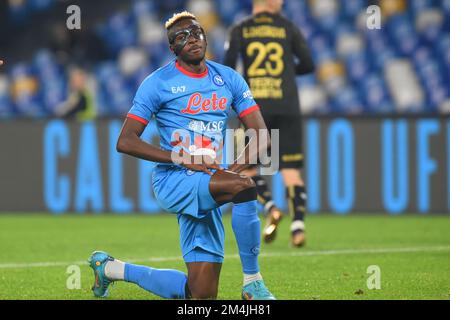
[191, 110]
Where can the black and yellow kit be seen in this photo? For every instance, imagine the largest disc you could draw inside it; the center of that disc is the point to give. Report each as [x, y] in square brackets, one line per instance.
[274, 52]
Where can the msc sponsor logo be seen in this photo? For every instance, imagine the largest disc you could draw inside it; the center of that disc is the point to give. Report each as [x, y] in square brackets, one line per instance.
[201, 126]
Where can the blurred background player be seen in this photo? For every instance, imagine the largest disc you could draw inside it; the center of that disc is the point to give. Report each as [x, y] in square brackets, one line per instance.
[274, 52]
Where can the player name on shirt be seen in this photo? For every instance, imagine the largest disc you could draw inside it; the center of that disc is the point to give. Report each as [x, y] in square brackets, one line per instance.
[264, 31]
[273, 52]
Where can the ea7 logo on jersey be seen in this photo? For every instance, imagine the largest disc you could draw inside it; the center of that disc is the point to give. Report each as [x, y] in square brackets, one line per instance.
[179, 89]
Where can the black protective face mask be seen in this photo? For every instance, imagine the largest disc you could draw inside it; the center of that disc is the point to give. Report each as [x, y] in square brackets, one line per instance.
[179, 39]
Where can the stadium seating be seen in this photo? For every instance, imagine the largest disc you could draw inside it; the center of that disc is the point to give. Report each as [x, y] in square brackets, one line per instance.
[403, 67]
[21, 10]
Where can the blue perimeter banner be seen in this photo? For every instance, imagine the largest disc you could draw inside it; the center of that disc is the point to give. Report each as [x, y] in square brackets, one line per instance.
[363, 165]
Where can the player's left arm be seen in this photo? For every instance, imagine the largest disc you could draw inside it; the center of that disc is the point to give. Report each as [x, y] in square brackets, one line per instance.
[302, 52]
[258, 144]
[250, 115]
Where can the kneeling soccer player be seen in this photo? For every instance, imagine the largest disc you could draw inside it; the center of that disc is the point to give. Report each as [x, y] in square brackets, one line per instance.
[190, 98]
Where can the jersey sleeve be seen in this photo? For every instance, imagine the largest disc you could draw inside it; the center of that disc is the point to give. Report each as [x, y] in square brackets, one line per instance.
[146, 101]
[243, 102]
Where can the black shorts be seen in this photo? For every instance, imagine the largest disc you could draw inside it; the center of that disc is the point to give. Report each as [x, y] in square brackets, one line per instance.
[290, 126]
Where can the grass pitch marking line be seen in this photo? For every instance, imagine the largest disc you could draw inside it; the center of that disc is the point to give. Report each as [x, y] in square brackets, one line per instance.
[236, 256]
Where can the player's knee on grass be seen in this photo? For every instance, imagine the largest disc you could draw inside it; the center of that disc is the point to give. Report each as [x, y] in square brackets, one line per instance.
[201, 289]
[203, 280]
[202, 285]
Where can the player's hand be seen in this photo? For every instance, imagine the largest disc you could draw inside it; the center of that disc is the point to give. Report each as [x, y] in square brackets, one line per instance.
[203, 163]
[237, 168]
[1, 62]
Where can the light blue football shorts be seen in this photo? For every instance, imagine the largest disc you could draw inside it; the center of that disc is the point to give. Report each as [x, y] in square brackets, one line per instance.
[186, 193]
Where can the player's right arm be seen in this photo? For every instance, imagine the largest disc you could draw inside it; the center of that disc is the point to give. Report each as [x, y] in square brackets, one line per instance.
[130, 143]
[146, 103]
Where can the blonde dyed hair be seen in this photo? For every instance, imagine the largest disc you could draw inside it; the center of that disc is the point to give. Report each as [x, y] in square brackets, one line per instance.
[179, 16]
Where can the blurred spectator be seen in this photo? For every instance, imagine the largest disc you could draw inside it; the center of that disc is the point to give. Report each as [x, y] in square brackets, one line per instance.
[25, 91]
[79, 103]
[76, 47]
[392, 7]
[404, 85]
[5, 110]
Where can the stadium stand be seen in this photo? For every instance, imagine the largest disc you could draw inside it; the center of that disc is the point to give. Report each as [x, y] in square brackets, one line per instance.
[402, 68]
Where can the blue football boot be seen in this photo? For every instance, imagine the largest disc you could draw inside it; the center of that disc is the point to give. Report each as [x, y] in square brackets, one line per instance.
[256, 290]
[97, 262]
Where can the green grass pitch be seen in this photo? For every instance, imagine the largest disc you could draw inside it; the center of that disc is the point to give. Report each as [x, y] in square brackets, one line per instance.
[412, 252]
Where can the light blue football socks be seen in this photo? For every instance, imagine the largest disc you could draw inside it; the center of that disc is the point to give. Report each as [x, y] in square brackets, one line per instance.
[246, 227]
[166, 283]
[171, 284]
